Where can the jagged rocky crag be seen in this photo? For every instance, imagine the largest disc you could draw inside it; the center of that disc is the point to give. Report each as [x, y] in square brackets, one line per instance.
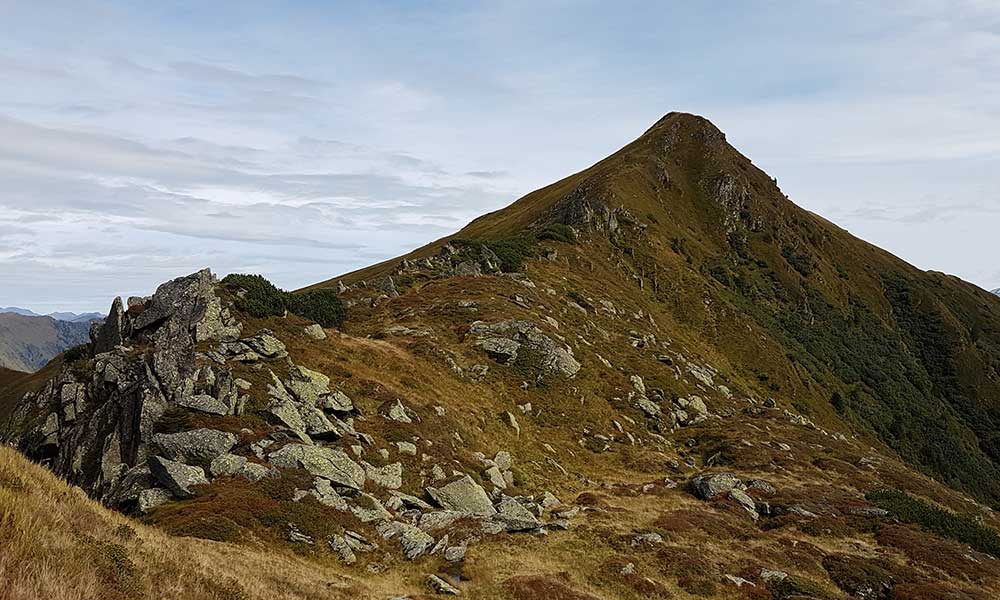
[99, 423]
[656, 378]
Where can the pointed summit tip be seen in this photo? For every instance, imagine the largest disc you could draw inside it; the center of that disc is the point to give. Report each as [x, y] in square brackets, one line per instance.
[686, 121]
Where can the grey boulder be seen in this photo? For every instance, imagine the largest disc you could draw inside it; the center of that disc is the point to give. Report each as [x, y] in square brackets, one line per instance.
[196, 445]
[464, 495]
[708, 486]
[328, 463]
[177, 477]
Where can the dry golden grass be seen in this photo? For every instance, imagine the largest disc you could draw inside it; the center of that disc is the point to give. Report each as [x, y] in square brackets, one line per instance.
[57, 544]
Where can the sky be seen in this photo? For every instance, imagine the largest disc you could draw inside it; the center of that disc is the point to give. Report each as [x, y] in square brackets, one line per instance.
[301, 140]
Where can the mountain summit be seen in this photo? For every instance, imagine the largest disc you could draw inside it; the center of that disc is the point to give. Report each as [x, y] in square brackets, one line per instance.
[657, 377]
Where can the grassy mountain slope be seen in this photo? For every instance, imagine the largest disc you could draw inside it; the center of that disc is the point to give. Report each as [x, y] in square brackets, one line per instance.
[909, 355]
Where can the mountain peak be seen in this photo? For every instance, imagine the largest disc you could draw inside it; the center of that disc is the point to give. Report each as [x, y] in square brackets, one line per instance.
[688, 122]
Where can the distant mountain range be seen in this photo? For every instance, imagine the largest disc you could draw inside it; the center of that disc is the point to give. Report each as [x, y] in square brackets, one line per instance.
[58, 316]
[997, 291]
[29, 341]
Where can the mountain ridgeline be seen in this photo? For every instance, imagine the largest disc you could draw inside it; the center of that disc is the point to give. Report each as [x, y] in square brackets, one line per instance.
[28, 342]
[691, 385]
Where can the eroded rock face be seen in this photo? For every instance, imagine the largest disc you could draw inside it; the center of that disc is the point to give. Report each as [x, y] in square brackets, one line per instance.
[94, 424]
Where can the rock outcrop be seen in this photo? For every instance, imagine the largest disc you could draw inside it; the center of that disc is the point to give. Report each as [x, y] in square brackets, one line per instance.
[523, 342]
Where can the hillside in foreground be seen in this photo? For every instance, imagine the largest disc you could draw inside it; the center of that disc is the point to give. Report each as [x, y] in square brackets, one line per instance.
[657, 378]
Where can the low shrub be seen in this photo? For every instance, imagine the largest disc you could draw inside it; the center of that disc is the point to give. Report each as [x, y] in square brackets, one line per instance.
[259, 297]
[173, 420]
[964, 529]
[512, 252]
[559, 232]
[255, 295]
[75, 353]
[322, 306]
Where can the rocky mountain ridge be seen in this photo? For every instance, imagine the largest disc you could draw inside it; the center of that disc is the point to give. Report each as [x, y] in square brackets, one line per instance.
[655, 378]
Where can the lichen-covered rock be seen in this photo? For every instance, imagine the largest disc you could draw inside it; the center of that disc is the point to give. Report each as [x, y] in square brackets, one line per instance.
[112, 332]
[389, 476]
[266, 345]
[523, 342]
[336, 401]
[397, 412]
[514, 516]
[307, 385]
[194, 446]
[345, 553]
[151, 498]
[464, 495]
[328, 463]
[414, 542]
[227, 465]
[367, 508]
[708, 486]
[324, 493]
[204, 403]
[440, 586]
[314, 331]
[177, 477]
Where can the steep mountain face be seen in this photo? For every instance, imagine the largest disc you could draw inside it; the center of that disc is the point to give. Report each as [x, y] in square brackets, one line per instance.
[692, 386]
[27, 343]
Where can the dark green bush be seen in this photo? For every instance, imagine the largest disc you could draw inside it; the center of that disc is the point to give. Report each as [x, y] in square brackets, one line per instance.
[173, 420]
[322, 306]
[800, 261]
[938, 521]
[558, 232]
[512, 252]
[259, 297]
[255, 295]
[76, 353]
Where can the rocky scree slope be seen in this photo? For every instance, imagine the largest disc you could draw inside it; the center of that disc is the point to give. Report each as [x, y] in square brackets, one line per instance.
[656, 378]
